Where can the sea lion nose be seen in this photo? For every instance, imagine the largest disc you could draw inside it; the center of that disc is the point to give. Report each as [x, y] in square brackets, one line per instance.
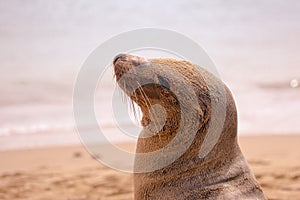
[119, 56]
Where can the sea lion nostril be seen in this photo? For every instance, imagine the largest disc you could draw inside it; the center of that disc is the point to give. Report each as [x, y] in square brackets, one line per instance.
[119, 56]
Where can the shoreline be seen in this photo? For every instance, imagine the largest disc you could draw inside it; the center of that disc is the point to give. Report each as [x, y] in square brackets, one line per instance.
[63, 138]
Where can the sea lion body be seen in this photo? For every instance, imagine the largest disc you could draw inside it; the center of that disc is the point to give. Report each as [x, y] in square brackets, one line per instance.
[223, 172]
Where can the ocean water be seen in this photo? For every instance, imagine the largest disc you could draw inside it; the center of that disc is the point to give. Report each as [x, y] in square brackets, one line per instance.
[254, 45]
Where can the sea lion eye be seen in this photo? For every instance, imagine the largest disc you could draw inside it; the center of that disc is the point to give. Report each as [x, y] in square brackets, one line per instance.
[163, 81]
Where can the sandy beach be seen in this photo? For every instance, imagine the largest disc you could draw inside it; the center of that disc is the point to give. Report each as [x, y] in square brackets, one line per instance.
[71, 173]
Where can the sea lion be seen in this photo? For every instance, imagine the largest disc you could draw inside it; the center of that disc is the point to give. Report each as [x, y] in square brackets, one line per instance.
[222, 173]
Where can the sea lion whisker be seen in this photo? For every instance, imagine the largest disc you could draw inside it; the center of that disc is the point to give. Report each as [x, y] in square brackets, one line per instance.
[148, 104]
[132, 106]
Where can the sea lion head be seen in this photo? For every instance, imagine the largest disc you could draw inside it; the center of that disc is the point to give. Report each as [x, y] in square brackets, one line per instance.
[173, 87]
[151, 83]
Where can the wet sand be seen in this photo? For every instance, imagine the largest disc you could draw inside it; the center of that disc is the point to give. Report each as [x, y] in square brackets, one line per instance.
[71, 173]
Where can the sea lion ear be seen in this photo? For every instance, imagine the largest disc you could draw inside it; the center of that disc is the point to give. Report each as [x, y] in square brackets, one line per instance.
[163, 81]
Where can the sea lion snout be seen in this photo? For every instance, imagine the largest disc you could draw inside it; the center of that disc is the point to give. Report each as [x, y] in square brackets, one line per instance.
[119, 56]
[129, 59]
[124, 62]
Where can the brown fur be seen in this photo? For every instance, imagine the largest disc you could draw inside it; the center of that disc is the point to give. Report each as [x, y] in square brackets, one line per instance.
[223, 173]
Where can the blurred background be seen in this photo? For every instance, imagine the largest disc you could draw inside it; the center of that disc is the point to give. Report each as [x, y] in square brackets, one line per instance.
[254, 45]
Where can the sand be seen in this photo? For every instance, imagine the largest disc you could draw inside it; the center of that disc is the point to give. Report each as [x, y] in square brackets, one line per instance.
[71, 173]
